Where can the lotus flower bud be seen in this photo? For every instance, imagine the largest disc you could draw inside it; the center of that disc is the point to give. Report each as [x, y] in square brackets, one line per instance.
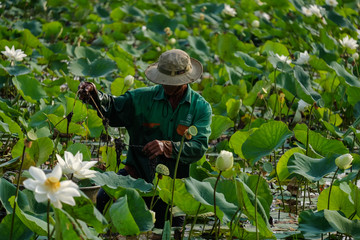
[255, 24]
[172, 41]
[355, 56]
[344, 161]
[153, 216]
[224, 161]
[128, 80]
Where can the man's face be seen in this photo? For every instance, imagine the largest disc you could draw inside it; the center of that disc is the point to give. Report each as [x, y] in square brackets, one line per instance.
[171, 90]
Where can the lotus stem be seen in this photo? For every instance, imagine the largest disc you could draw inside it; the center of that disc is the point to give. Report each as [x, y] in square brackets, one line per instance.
[153, 197]
[175, 171]
[304, 197]
[308, 131]
[278, 179]
[17, 192]
[215, 223]
[252, 112]
[277, 94]
[193, 223]
[256, 216]
[48, 219]
[332, 180]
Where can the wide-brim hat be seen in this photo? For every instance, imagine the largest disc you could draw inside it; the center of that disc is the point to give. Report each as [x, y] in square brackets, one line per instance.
[174, 67]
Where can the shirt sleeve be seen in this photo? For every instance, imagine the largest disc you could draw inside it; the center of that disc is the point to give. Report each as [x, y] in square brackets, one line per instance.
[118, 110]
[195, 148]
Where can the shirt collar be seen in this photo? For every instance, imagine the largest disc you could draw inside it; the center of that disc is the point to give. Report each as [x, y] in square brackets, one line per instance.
[160, 95]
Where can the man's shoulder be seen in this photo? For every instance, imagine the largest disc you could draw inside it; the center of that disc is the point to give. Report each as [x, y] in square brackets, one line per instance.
[145, 91]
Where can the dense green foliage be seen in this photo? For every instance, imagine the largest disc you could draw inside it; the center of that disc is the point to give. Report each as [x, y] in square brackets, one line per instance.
[282, 78]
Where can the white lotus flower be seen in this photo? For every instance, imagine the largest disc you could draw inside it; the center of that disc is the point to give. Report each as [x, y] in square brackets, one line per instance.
[260, 3]
[303, 58]
[76, 166]
[261, 14]
[283, 58]
[349, 42]
[316, 10]
[306, 11]
[14, 55]
[48, 187]
[229, 10]
[224, 161]
[332, 3]
[358, 33]
[255, 24]
[129, 80]
[143, 28]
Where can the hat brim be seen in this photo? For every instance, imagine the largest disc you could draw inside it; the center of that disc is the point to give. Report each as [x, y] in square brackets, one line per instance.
[153, 74]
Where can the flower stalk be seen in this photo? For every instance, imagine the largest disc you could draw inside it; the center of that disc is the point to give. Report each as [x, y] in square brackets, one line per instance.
[17, 189]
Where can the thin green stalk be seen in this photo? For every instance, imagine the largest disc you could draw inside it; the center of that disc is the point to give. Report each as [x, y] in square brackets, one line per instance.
[252, 112]
[214, 227]
[232, 220]
[256, 216]
[278, 179]
[332, 180]
[287, 114]
[152, 199]
[276, 93]
[48, 219]
[308, 131]
[175, 172]
[304, 197]
[17, 192]
[193, 223]
[297, 196]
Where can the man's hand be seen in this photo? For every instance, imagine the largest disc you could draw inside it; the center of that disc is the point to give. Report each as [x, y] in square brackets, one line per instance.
[156, 148]
[87, 89]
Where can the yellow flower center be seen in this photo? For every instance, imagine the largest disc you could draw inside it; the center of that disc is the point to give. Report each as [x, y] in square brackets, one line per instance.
[52, 183]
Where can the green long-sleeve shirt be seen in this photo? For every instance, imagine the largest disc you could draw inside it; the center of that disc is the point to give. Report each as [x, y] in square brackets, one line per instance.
[147, 115]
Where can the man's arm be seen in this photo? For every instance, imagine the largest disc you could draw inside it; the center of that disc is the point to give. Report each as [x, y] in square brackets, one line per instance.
[117, 110]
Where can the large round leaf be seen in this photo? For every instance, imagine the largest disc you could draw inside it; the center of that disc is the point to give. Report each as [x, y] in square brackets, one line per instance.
[98, 68]
[130, 215]
[219, 124]
[282, 165]
[29, 88]
[313, 222]
[115, 185]
[182, 198]
[311, 168]
[267, 138]
[343, 224]
[204, 193]
[339, 201]
[322, 145]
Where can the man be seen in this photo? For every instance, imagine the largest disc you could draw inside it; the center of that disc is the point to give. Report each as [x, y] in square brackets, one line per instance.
[156, 117]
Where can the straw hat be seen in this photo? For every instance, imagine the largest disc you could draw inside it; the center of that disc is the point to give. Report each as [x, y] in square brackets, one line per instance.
[174, 67]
